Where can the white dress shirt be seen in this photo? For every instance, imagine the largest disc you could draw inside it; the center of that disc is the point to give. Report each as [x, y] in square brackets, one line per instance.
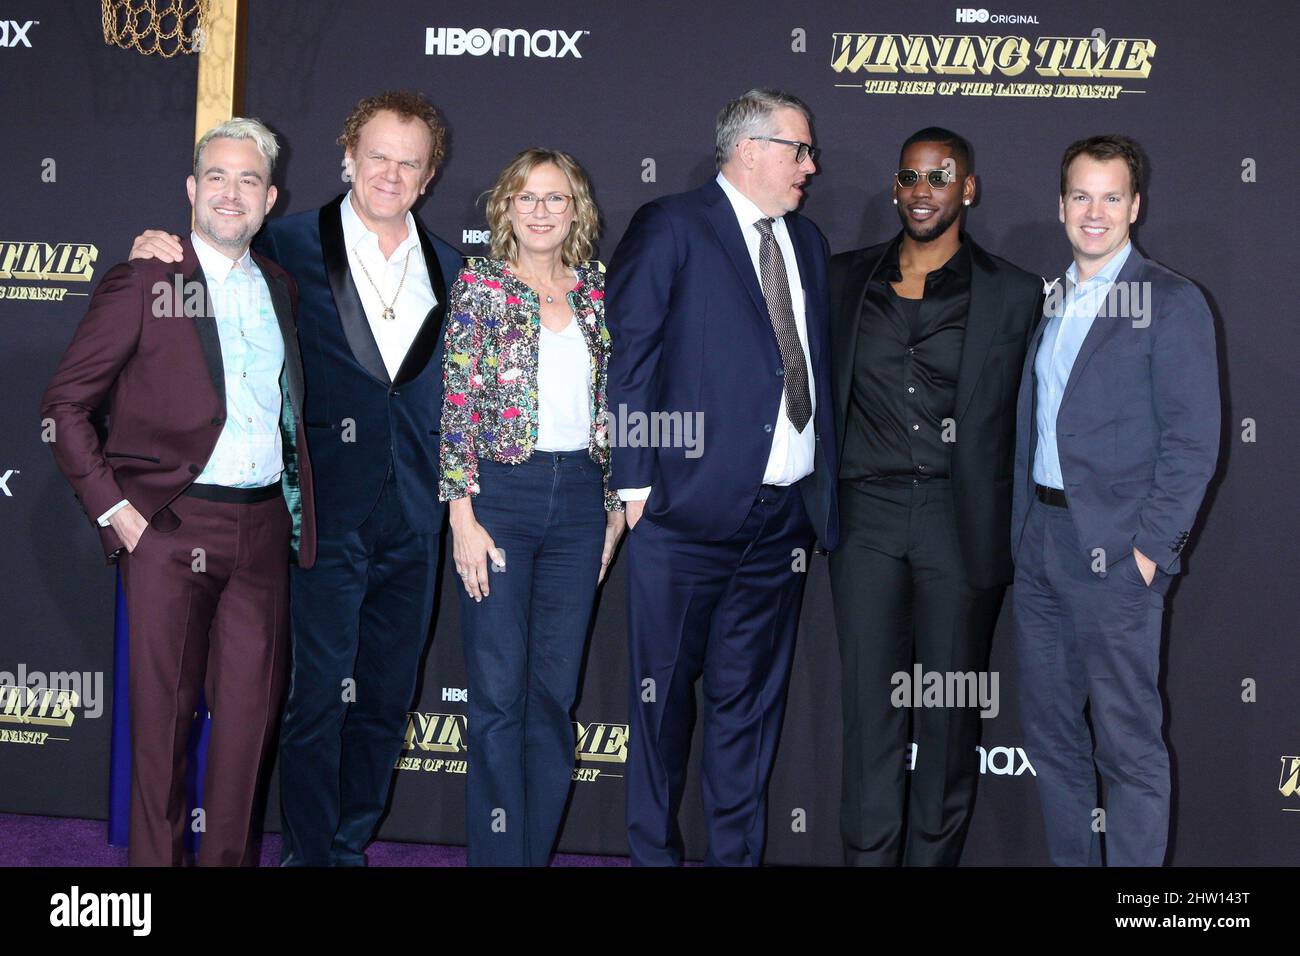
[791, 457]
[394, 337]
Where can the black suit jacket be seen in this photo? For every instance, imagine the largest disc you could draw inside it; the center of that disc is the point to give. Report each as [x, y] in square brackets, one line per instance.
[1005, 304]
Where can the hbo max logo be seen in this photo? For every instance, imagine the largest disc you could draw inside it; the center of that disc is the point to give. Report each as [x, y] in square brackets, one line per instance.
[453, 41]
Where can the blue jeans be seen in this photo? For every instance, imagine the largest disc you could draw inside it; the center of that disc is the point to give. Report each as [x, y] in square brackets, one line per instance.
[523, 650]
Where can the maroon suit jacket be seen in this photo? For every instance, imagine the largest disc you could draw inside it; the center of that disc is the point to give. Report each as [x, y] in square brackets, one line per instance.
[159, 371]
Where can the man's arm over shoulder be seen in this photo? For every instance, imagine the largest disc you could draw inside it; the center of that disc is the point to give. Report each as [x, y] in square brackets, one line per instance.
[101, 347]
[638, 289]
[1185, 391]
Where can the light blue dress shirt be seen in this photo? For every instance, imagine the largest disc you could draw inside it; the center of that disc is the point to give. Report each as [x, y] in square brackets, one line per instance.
[1062, 339]
[249, 452]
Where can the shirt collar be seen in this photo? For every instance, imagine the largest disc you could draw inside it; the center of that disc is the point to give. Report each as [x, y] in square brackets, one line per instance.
[1103, 278]
[958, 264]
[216, 264]
[356, 232]
[746, 211]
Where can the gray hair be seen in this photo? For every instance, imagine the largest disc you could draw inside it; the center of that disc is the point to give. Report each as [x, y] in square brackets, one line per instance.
[751, 115]
[240, 128]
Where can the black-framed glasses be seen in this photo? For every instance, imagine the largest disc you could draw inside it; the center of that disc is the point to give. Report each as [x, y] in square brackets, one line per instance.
[938, 178]
[556, 203]
[801, 150]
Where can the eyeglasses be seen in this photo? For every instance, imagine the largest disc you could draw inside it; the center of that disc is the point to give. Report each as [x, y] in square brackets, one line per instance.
[801, 150]
[938, 178]
[556, 203]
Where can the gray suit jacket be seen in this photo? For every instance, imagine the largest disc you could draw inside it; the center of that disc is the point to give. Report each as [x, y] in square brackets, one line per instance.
[1138, 428]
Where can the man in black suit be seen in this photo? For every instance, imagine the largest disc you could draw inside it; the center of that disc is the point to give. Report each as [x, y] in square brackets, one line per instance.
[929, 334]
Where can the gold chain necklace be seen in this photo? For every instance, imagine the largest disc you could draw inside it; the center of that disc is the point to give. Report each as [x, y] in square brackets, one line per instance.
[388, 314]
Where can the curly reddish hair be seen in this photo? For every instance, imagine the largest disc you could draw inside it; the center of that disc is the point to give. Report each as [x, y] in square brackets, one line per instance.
[408, 106]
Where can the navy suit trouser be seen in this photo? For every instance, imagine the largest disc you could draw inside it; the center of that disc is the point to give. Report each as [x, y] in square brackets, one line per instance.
[1088, 641]
[728, 611]
[360, 624]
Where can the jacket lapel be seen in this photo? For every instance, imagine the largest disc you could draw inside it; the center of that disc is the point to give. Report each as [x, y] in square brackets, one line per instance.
[1103, 326]
[288, 332]
[361, 340]
[844, 331]
[205, 324]
[722, 218]
[583, 307]
[426, 340]
[803, 255]
[982, 315]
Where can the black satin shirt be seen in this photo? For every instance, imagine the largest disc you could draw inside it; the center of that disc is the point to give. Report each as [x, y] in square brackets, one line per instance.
[905, 373]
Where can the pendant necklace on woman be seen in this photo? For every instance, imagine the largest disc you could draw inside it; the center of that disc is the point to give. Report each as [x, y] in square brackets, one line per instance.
[537, 289]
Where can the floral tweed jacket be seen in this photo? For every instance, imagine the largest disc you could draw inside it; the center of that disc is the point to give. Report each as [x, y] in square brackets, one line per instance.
[489, 406]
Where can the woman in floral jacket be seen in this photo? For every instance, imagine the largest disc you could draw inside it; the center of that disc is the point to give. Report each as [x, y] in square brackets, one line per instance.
[525, 465]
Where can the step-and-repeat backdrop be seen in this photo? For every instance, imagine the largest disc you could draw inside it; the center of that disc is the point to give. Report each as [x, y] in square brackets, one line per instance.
[97, 143]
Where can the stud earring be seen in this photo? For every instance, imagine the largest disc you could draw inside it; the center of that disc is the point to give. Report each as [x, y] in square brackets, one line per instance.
[966, 202]
[895, 202]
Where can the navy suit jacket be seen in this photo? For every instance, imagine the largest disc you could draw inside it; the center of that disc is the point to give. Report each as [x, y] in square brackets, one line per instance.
[1138, 428]
[359, 420]
[691, 333]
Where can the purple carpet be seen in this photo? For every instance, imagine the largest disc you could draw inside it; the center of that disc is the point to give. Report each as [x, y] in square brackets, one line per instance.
[59, 841]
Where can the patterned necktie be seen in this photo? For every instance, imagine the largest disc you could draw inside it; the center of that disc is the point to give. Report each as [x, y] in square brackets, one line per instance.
[776, 290]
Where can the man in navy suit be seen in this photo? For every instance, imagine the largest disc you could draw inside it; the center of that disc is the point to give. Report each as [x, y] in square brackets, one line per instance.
[1117, 437]
[717, 308]
[372, 291]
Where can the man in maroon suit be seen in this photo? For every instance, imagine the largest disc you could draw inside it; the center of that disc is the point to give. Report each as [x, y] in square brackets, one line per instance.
[202, 490]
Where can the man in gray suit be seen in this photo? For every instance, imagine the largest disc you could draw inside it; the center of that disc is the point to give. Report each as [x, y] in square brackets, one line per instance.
[1117, 436]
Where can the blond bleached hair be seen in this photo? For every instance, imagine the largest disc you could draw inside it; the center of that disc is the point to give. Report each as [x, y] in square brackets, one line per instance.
[240, 127]
[580, 244]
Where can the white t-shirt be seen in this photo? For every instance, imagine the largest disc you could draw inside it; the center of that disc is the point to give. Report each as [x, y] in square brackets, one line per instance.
[563, 390]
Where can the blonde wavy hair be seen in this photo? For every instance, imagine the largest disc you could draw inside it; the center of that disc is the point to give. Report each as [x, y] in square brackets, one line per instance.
[580, 244]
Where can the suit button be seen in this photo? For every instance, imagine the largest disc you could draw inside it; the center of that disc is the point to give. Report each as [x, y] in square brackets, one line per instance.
[216, 421]
[396, 393]
[194, 469]
[780, 373]
[767, 428]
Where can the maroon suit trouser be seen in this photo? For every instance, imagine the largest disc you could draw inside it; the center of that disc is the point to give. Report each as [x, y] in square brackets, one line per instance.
[208, 610]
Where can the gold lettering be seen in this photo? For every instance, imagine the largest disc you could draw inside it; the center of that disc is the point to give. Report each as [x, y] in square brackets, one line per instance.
[39, 261]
